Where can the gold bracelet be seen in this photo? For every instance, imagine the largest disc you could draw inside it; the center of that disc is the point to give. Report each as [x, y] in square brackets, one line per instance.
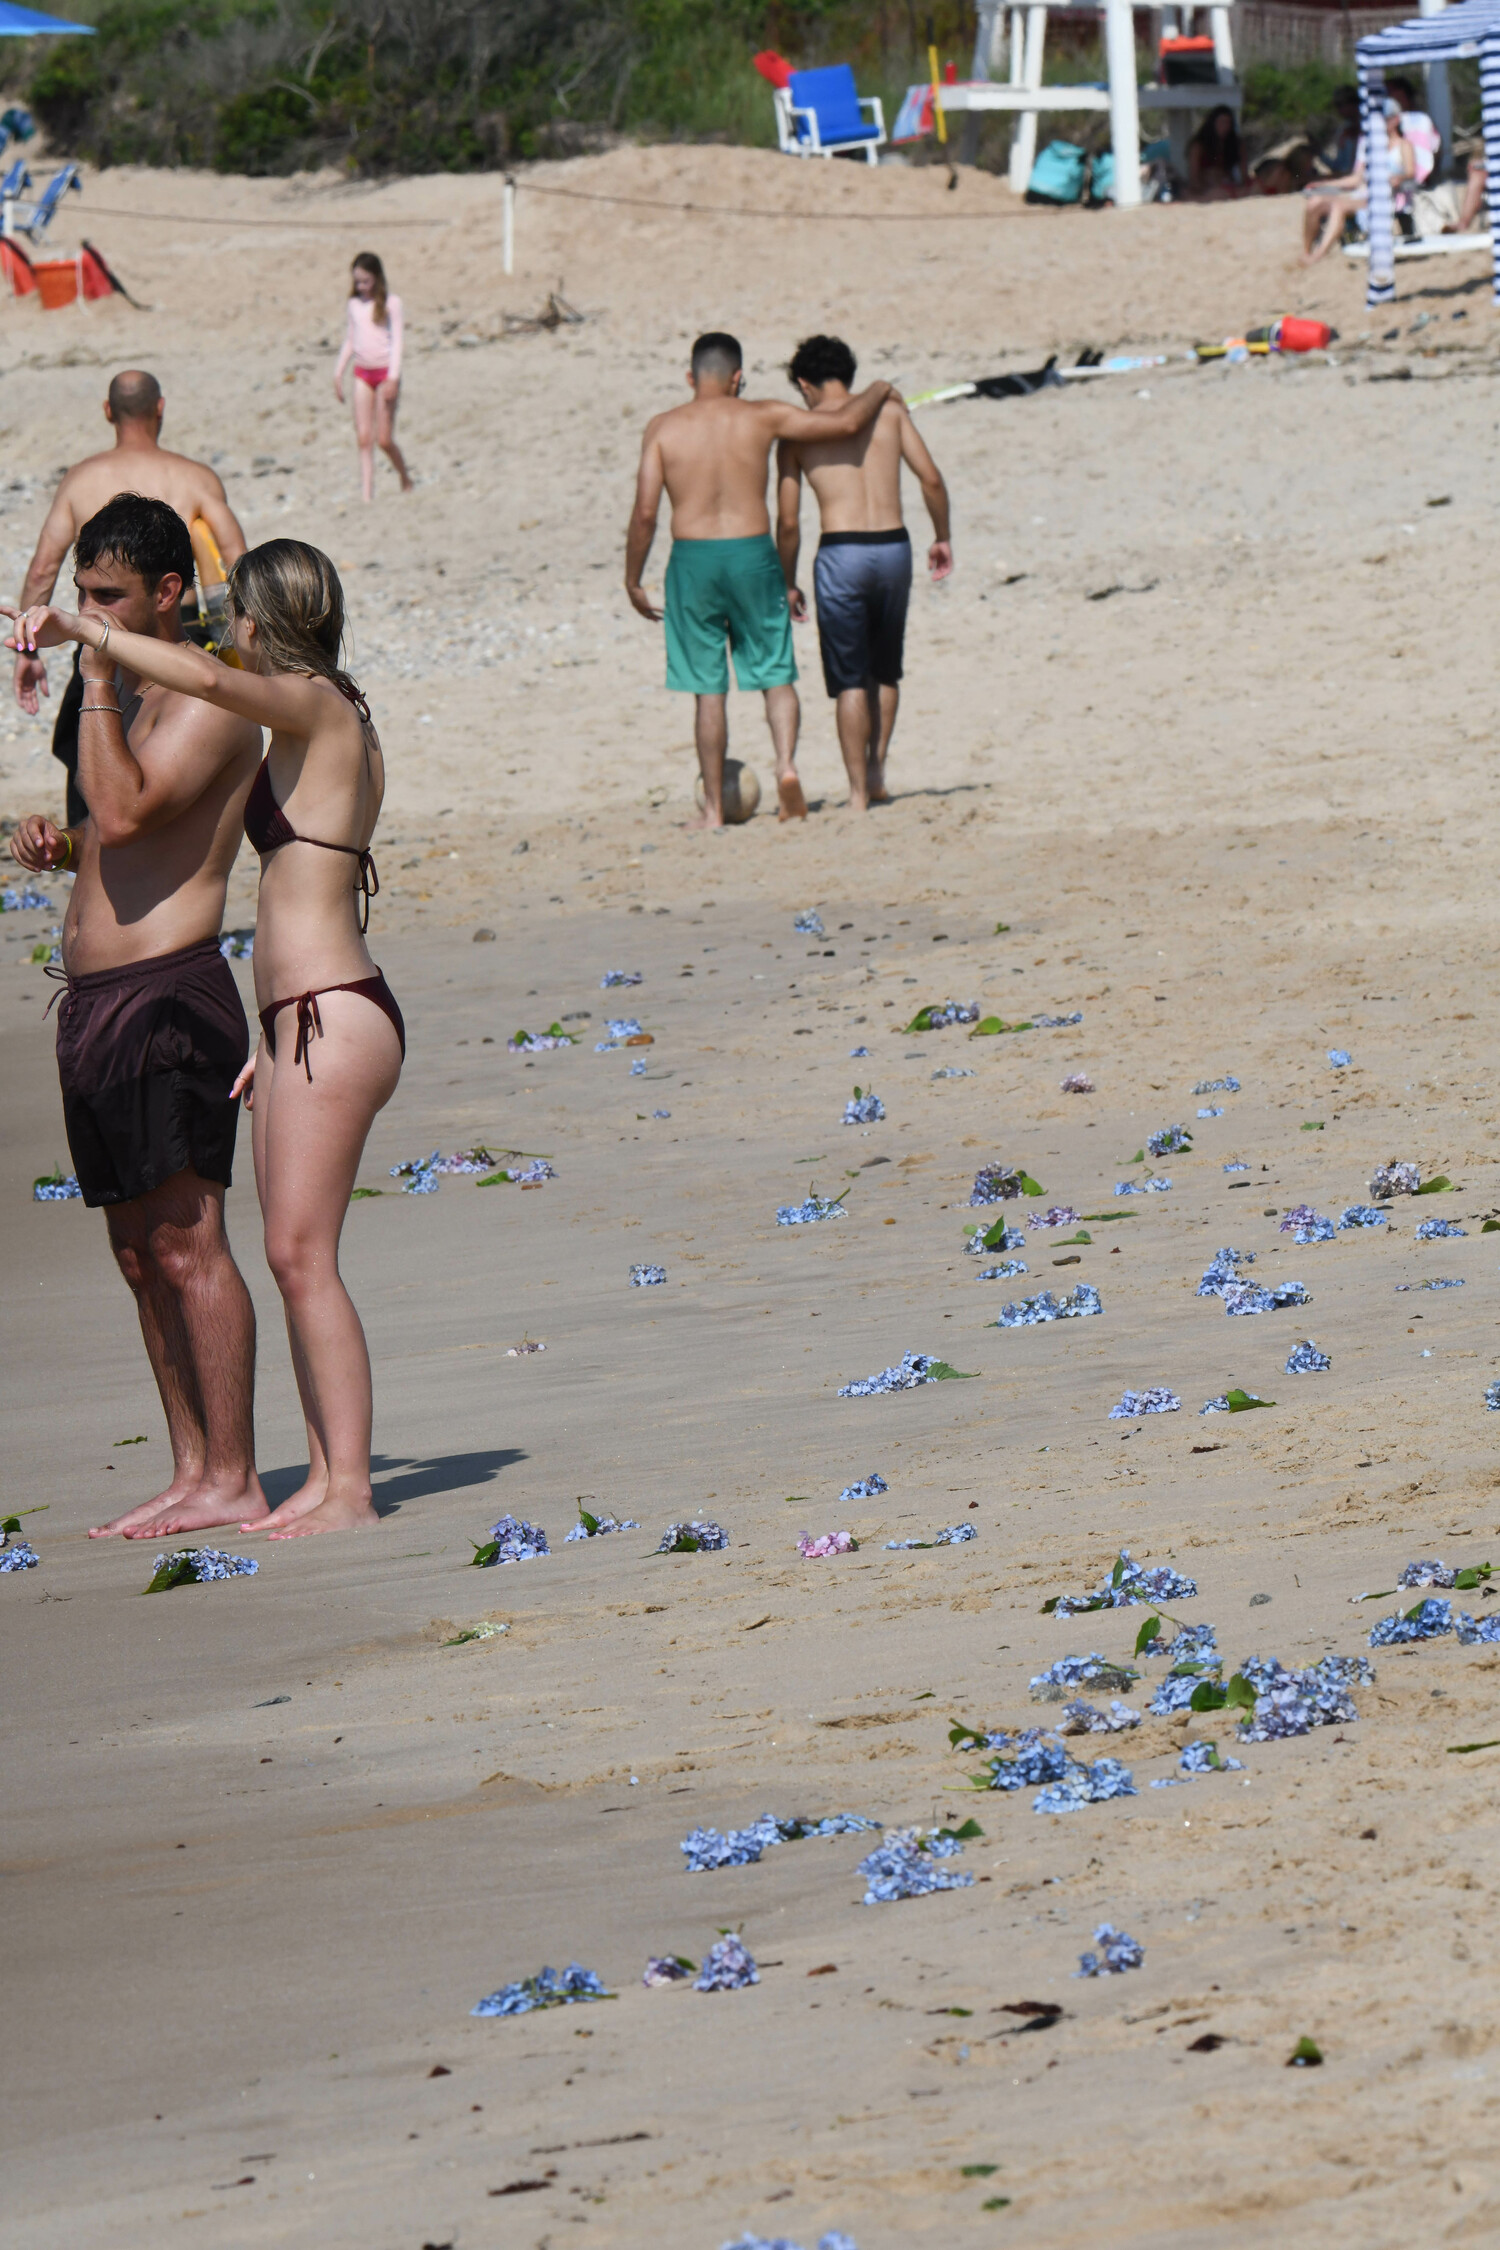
[68, 840]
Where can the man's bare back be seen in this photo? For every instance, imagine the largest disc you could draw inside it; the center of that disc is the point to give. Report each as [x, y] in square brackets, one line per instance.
[856, 480]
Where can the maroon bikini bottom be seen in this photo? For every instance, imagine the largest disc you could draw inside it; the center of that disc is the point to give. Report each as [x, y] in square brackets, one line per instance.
[310, 1023]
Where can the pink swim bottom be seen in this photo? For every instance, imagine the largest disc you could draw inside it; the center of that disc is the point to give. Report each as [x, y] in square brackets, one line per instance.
[374, 376]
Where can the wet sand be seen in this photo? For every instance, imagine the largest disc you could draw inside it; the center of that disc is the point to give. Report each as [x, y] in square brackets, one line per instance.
[1236, 813]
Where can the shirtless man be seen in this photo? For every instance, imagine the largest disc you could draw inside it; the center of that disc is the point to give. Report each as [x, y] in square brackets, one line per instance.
[137, 463]
[723, 580]
[862, 576]
[151, 1034]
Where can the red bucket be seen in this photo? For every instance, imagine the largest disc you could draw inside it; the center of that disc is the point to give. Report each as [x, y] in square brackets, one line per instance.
[57, 282]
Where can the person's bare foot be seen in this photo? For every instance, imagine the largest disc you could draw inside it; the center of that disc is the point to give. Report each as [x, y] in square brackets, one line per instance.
[236, 1500]
[339, 1512]
[295, 1506]
[793, 805]
[181, 1488]
[407, 483]
[704, 819]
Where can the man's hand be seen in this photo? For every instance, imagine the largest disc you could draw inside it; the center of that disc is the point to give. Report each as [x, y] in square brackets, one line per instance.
[940, 560]
[39, 846]
[641, 600]
[30, 681]
[796, 602]
[244, 1085]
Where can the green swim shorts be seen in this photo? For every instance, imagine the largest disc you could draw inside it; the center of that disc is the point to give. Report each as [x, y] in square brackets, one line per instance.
[727, 589]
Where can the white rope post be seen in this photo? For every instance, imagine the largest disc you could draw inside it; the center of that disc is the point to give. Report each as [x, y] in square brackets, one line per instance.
[1124, 109]
[1439, 99]
[1023, 138]
[508, 237]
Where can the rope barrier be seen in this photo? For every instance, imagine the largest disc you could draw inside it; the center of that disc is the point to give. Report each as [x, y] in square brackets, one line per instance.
[203, 219]
[825, 218]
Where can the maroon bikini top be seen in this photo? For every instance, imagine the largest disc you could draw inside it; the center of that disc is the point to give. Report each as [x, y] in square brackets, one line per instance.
[267, 828]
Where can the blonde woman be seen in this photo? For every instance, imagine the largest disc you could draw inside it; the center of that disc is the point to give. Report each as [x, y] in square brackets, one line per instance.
[332, 1039]
[373, 339]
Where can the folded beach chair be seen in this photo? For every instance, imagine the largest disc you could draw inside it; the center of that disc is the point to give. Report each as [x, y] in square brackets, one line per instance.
[34, 218]
[818, 113]
[16, 181]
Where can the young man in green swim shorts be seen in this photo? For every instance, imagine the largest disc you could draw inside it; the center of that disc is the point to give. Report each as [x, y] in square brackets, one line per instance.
[726, 592]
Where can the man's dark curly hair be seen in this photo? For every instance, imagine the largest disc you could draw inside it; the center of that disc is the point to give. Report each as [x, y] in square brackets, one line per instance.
[822, 359]
[146, 536]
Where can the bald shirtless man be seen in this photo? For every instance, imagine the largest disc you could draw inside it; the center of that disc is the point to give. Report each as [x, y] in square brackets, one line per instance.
[138, 462]
[151, 1034]
[724, 583]
[862, 576]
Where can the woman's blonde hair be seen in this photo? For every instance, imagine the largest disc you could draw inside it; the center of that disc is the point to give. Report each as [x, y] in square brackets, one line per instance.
[292, 594]
[367, 262]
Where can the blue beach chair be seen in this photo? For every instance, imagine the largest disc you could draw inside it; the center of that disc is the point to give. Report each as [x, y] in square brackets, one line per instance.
[34, 218]
[819, 114]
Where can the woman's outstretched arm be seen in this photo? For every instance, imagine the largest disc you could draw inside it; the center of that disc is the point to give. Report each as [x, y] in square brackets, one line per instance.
[282, 699]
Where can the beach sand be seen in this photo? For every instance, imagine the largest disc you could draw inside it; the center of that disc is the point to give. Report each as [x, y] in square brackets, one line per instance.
[1236, 813]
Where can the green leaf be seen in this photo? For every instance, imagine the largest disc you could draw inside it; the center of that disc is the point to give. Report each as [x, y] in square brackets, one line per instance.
[1465, 1581]
[1240, 1402]
[179, 1572]
[1118, 1572]
[921, 1021]
[1491, 1226]
[941, 1372]
[1316, 1127]
[995, 2203]
[969, 1832]
[42, 952]
[496, 1179]
[11, 1523]
[1240, 1692]
[1050, 1604]
[119, 1441]
[1001, 928]
[987, 1028]
[1305, 2054]
[590, 1523]
[1149, 1632]
[1383, 1594]
[1029, 1186]
[1462, 1749]
[1437, 1186]
[1209, 1695]
[977, 2171]
[360, 1195]
[798, 1500]
[54, 1178]
[1138, 1158]
[1108, 1218]
[956, 2011]
[485, 1555]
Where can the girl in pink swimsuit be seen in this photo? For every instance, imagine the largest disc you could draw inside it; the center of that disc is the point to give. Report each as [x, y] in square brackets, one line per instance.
[373, 339]
[332, 1039]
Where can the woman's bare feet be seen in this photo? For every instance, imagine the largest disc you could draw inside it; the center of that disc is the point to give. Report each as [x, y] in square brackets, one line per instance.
[338, 1512]
[308, 1495]
[793, 805]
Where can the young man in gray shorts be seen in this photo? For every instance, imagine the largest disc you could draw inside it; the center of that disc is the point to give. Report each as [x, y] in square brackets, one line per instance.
[862, 576]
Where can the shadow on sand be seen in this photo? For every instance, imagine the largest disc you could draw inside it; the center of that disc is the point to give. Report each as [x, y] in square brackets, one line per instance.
[413, 1477]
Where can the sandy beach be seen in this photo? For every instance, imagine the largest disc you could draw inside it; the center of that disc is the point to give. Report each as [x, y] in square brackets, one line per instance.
[1194, 747]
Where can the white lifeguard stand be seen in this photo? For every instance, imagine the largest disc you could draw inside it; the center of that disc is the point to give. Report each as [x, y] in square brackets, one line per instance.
[1026, 98]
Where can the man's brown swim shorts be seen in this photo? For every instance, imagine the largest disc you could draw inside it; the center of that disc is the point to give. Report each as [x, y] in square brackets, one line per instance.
[146, 1055]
